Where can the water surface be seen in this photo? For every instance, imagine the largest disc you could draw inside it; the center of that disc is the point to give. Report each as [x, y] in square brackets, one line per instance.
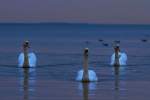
[59, 49]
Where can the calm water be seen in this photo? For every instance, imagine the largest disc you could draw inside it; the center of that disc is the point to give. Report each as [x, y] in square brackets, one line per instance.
[59, 49]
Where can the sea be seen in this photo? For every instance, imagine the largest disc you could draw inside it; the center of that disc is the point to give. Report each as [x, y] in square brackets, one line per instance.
[59, 50]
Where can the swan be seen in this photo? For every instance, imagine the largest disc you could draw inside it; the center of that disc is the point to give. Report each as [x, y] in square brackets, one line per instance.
[118, 58]
[26, 59]
[84, 74]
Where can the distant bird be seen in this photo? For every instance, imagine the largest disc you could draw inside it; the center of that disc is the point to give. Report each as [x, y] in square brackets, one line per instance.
[118, 58]
[86, 75]
[117, 41]
[144, 40]
[25, 58]
[100, 40]
[105, 44]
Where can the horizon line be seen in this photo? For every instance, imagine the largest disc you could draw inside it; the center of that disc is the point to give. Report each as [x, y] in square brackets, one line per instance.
[74, 23]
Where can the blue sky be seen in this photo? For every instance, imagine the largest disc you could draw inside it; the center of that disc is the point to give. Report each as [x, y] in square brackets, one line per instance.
[78, 11]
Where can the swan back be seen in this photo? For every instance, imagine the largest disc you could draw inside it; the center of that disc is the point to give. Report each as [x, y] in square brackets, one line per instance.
[91, 73]
[122, 58]
[31, 57]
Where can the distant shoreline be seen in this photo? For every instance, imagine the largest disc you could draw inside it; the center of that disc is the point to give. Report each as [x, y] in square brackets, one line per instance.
[67, 23]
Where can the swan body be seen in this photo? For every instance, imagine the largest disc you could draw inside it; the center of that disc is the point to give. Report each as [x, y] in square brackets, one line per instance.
[91, 75]
[86, 75]
[122, 58]
[31, 58]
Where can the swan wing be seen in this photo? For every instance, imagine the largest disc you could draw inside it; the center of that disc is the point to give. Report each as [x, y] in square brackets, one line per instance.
[92, 75]
[112, 59]
[32, 59]
[123, 58]
[79, 75]
[20, 59]
[124, 55]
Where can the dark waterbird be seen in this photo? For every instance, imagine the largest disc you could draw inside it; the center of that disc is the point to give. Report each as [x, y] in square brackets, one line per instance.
[144, 40]
[105, 44]
[117, 41]
[100, 40]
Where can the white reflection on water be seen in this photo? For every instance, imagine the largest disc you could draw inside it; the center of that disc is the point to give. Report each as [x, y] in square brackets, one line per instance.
[119, 74]
[27, 81]
[87, 89]
[116, 76]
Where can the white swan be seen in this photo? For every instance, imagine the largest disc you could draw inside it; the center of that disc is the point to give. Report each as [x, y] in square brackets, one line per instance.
[26, 59]
[86, 75]
[118, 58]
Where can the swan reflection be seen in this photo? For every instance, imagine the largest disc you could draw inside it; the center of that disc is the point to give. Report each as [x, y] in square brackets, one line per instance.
[87, 89]
[27, 82]
[119, 76]
[116, 75]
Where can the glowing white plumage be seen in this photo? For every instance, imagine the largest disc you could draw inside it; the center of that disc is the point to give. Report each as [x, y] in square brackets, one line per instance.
[122, 58]
[86, 75]
[26, 59]
[91, 75]
[31, 58]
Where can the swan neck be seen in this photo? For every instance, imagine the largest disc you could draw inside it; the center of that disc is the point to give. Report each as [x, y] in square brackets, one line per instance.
[85, 68]
[26, 59]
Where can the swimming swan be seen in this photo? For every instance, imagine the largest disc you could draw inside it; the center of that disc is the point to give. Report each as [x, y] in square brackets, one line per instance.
[86, 75]
[26, 59]
[118, 58]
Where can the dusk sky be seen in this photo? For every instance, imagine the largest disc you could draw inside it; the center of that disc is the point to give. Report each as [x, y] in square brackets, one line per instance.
[78, 11]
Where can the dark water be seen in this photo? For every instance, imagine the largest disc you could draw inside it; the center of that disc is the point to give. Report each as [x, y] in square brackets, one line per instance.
[59, 49]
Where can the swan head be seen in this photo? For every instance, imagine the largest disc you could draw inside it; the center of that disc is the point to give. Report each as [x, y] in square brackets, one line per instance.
[86, 50]
[116, 47]
[26, 45]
